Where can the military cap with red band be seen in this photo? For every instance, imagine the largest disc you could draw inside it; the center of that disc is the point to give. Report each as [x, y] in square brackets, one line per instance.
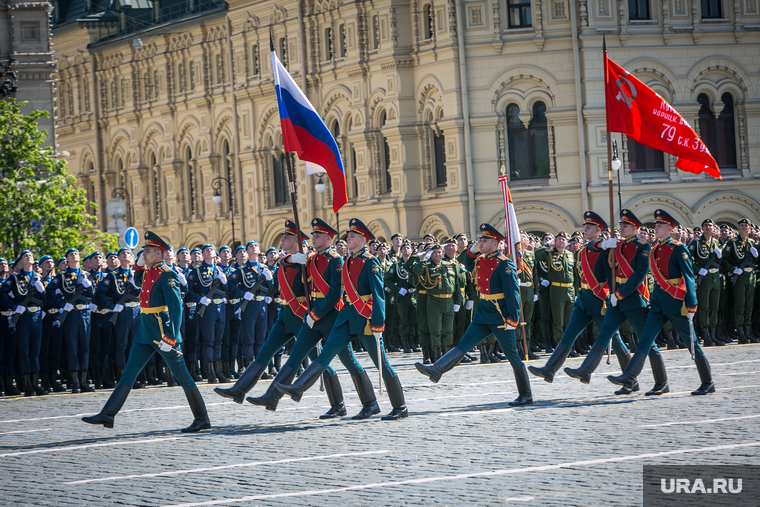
[153, 239]
[663, 217]
[489, 231]
[290, 228]
[593, 218]
[319, 225]
[627, 217]
[357, 226]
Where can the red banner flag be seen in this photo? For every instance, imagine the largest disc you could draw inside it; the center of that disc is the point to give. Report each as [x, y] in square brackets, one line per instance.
[640, 113]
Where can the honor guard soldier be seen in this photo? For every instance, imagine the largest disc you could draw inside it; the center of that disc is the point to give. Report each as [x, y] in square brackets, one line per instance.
[498, 312]
[674, 299]
[590, 305]
[440, 279]
[629, 302]
[158, 330]
[362, 316]
[706, 256]
[399, 282]
[23, 294]
[289, 320]
[71, 291]
[208, 280]
[740, 260]
[118, 293]
[324, 274]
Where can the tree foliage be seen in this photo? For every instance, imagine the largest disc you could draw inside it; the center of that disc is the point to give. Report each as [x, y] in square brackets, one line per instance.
[41, 207]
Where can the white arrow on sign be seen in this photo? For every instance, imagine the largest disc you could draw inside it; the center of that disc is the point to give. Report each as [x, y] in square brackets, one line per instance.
[131, 237]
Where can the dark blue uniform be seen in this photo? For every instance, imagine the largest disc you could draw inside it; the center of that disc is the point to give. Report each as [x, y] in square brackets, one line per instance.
[76, 327]
[109, 292]
[28, 335]
[211, 324]
[253, 329]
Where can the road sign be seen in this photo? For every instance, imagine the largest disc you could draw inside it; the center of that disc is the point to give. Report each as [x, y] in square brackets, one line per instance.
[131, 238]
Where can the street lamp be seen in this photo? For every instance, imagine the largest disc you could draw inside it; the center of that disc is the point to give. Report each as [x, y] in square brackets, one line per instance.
[216, 184]
[616, 165]
[320, 186]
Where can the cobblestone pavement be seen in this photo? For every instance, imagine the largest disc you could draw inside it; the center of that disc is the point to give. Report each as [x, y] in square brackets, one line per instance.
[461, 445]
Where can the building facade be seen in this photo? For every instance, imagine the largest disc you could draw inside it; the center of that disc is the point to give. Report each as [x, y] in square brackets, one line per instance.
[426, 98]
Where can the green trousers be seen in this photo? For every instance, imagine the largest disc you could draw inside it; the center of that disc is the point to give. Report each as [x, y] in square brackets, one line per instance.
[423, 336]
[440, 317]
[708, 297]
[744, 298]
[562, 303]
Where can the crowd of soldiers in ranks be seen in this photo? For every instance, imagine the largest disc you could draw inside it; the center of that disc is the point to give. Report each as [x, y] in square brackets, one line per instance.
[71, 322]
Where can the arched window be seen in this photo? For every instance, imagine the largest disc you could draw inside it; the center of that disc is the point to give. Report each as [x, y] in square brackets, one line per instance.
[718, 134]
[255, 65]
[228, 173]
[156, 82]
[439, 158]
[375, 32]
[644, 158]
[280, 178]
[429, 23]
[156, 187]
[328, 44]
[385, 157]
[190, 181]
[181, 83]
[284, 52]
[219, 69]
[528, 148]
[342, 40]
[147, 88]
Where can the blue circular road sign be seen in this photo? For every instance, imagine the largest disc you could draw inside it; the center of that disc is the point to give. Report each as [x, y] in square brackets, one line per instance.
[131, 238]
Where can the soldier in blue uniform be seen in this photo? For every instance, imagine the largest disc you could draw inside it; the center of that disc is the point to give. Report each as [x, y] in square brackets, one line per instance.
[211, 324]
[76, 327]
[189, 320]
[50, 348]
[16, 295]
[158, 330]
[99, 328]
[498, 313]
[590, 304]
[674, 299]
[232, 312]
[362, 316]
[254, 319]
[629, 302]
[324, 274]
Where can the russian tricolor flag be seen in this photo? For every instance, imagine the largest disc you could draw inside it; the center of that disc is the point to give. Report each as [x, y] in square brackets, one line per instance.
[304, 132]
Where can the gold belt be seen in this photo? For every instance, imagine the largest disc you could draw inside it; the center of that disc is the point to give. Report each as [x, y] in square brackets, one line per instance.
[102, 312]
[620, 280]
[364, 298]
[82, 307]
[233, 301]
[7, 314]
[33, 309]
[300, 300]
[260, 298]
[441, 296]
[712, 270]
[132, 304]
[563, 285]
[190, 305]
[217, 301]
[585, 286]
[422, 291]
[155, 309]
[277, 300]
[749, 270]
[52, 311]
[492, 297]
[674, 281]
[317, 294]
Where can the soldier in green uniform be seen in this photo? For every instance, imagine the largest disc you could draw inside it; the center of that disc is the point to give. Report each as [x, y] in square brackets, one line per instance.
[423, 335]
[157, 331]
[526, 264]
[561, 276]
[462, 318]
[541, 277]
[439, 277]
[399, 283]
[706, 256]
[740, 260]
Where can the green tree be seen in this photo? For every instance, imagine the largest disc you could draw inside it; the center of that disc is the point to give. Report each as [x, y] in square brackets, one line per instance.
[41, 207]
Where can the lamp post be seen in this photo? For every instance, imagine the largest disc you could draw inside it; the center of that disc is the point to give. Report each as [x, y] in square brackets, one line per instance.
[121, 193]
[319, 186]
[616, 165]
[216, 184]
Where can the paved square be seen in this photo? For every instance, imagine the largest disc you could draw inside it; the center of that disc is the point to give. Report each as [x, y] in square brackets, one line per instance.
[461, 445]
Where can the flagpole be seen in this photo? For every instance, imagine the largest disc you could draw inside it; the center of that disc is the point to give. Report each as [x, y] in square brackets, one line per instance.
[612, 281]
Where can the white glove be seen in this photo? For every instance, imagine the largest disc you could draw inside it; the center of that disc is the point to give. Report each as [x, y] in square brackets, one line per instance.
[117, 308]
[165, 347]
[221, 277]
[753, 251]
[132, 281]
[68, 307]
[247, 296]
[38, 285]
[402, 291]
[93, 307]
[421, 255]
[702, 272]
[545, 283]
[378, 335]
[140, 261]
[268, 274]
[427, 255]
[456, 308]
[509, 328]
[267, 300]
[182, 279]
[738, 271]
[310, 321]
[535, 297]
[690, 315]
[43, 315]
[20, 309]
[298, 258]
[718, 253]
[613, 299]
[475, 248]
[469, 305]
[205, 301]
[575, 300]
[609, 243]
[86, 283]
[57, 291]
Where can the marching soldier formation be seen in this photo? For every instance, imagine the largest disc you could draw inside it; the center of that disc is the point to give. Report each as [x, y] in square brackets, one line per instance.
[160, 317]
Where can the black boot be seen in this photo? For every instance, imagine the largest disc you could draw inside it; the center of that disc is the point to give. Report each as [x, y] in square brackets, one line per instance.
[748, 333]
[96, 380]
[483, 354]
[28, 391]
[659, 374]
[590, 363]
[44, 382]
[553, 364]
[334, 396]
[83, 385]
[671, 342]
[414, 345]
[74, 383]
[106, 378]
[192, 368]
[211, 374]
[367, 397]
[140, 381]
[628, 378]
[111, 408]
[491, 355]
[170, 380]
[57, 387]
[425, 355]
[706, 338]
[272, 396]
[405, 343]
[150, 374]
[703, 368]
[200, 414]
[244, 384]
[396, 395]
[715, 338]
[624, 360]
[220, 374]
[523, 388]
[304, 382]
[444, 364]
[38, 390]
[549, 343]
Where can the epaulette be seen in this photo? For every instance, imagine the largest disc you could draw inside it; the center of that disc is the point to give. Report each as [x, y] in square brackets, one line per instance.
[368, 255]
[677, 243]
[165, 268]
[502, 257]
[334, 254]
